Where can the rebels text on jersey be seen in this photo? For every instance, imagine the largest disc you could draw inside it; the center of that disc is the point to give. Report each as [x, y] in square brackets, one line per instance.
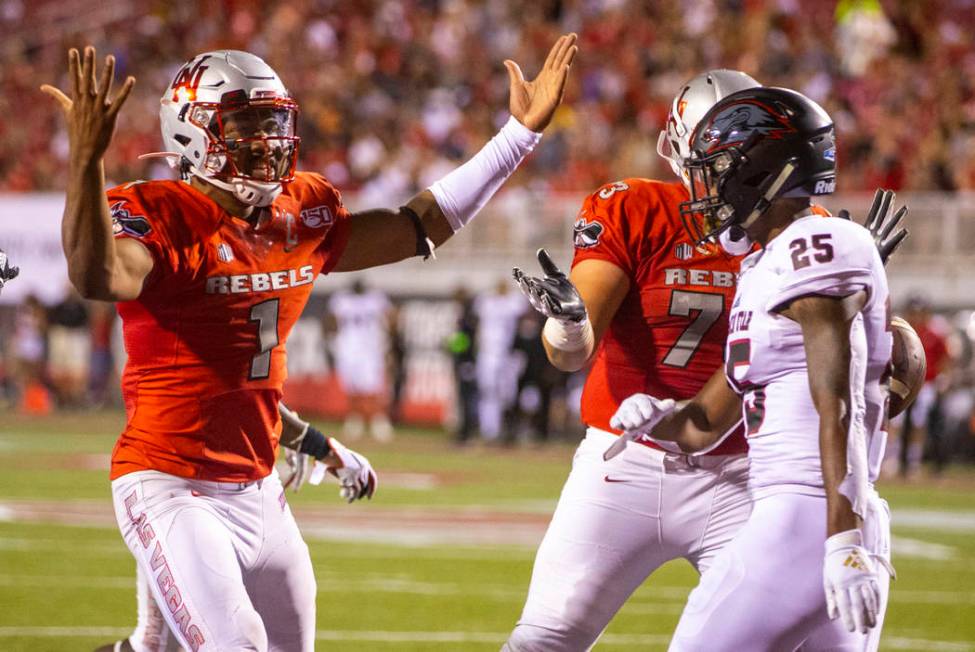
[667, 336]
[205, 339]
[766, 359]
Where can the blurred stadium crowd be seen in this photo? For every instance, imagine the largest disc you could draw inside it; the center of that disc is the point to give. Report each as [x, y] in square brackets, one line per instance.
[395, 92]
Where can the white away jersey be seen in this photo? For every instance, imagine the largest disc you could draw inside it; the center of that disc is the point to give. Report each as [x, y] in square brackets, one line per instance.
[362, 322]
[497, 321]
[765, 360]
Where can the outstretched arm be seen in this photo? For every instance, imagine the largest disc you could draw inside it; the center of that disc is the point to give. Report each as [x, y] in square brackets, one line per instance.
[99, 266]
[696, 426]
[579, 307]
[383, 236]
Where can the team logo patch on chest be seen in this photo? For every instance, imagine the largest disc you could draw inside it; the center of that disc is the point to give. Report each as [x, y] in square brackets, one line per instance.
[124, 222]
[684, 251]
[224, 253]
[586, 234]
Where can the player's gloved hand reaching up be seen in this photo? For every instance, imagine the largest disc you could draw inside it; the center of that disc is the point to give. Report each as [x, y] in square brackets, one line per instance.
[850, 581]
[881, 223]
[553, 295]
[6, 271]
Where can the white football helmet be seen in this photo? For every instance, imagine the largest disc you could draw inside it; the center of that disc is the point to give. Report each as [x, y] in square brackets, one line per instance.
[228, 119]
[696, 98]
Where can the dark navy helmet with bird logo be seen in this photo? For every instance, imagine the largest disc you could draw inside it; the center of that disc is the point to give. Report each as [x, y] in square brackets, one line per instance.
[751, 148]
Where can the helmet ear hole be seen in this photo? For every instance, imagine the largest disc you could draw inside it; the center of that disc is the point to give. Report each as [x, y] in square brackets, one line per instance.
[182, 140]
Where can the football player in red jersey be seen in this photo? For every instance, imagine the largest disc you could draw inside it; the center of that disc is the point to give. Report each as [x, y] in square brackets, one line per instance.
[647, 307]
[210, 274]
[650, 311]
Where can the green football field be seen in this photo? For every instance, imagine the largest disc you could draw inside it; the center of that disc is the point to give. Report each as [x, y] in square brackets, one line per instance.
[438, 560]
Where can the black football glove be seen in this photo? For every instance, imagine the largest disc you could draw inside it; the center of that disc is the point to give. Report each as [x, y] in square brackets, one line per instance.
[553, 296]
[6, 271]
[881, 223]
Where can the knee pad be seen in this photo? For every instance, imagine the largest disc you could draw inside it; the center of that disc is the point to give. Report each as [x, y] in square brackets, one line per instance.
[528, 638]
[250, 627]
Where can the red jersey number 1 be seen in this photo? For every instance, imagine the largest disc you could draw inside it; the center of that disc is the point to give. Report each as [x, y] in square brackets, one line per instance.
[709, 308]
[265, 314]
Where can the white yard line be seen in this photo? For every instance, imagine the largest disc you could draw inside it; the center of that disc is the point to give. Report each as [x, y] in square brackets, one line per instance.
[917, 549]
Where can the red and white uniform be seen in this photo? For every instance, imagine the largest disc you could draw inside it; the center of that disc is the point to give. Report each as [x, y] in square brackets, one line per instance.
[782, 544]
[193, 472]
[618, 521]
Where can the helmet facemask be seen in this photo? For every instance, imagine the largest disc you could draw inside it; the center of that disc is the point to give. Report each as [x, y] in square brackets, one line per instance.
[706, 214]
[251, 144]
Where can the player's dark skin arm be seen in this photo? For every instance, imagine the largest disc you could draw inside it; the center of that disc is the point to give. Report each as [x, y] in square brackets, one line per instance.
[602, 286]
[825, 323]
[704, 419]
[383, 236]
[99, 266]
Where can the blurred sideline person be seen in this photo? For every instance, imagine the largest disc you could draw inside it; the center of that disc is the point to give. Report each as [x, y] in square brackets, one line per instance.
[69, 349]
[807, 362]
[921, 422]
[646, 311]
[537, 382]
[210, 274]
[28, 351]
[361, 320]
[497, 313]
[462, 346]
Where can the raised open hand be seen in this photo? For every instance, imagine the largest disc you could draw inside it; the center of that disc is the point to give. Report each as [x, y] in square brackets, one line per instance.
[533, 103]
[90, 113]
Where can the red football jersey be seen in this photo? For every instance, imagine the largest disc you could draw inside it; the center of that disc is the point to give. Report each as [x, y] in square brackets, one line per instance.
[205, 339]
[667, 338]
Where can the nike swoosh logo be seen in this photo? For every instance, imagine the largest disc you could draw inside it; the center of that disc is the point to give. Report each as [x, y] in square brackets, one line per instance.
[609, 479]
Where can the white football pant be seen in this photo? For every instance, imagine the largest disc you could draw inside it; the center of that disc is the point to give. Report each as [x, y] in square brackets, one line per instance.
[616, 523]
[225, 561]
[764, 591]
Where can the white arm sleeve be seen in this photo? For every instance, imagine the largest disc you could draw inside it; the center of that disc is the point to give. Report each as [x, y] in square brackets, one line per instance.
[464, 191]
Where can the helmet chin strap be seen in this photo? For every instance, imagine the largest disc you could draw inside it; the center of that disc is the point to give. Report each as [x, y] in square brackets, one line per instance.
[252, 193]
[762, 205]
[735, 241]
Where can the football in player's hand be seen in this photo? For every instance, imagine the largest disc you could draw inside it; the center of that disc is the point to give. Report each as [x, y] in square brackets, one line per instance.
[909, 365]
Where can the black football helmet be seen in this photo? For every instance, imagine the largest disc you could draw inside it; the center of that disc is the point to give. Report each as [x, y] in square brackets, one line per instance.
[751, 148]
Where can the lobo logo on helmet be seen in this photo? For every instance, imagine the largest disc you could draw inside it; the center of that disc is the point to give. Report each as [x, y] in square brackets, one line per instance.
[736, 123]
[586, 233]
[189, 78]
[124, 222]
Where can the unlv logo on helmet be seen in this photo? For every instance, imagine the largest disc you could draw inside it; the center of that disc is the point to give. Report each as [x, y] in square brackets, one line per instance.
[189, 78]
[737, 122]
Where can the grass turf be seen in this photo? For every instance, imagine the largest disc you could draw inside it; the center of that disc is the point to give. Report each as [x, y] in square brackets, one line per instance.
[71, 586]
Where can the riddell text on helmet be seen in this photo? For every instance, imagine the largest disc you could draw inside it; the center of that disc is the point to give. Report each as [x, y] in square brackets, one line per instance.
[260, 281]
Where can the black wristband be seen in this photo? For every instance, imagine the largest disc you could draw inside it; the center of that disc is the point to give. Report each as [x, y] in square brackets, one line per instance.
[424, 246]
[315, 443]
